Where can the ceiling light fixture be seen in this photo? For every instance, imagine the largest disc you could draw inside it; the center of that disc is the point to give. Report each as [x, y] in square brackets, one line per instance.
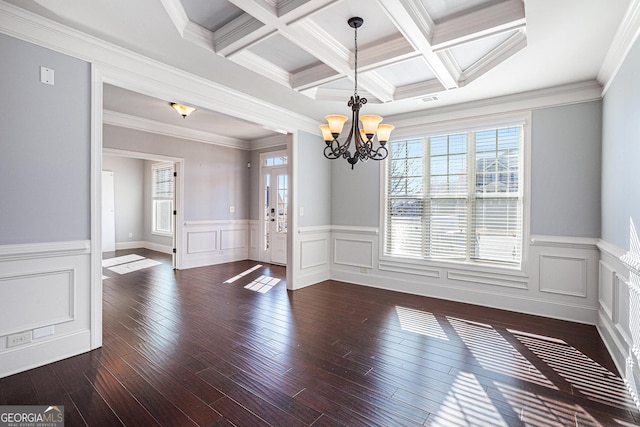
[363, 138]
[183, 110]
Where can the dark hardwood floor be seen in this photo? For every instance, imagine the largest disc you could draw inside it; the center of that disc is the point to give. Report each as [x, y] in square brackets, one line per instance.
[185, 348]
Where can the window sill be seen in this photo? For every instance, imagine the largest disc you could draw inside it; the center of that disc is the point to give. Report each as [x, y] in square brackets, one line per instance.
[161, 233]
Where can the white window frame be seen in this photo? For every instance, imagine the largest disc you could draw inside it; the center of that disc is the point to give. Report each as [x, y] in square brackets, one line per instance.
[430, 267]
[154, 199]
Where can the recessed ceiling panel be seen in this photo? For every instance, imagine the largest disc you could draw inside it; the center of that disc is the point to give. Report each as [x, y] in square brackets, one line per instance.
[283, 53]
[212, 15]
[469, 53]
[376, 25]
[407, 72]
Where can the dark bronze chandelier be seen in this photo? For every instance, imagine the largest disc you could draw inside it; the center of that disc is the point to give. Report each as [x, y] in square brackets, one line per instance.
[362, 138]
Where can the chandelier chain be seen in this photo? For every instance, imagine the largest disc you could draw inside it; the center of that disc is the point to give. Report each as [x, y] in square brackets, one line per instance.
[355, 39]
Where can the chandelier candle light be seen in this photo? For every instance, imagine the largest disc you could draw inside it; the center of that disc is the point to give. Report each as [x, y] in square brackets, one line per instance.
[362, 137]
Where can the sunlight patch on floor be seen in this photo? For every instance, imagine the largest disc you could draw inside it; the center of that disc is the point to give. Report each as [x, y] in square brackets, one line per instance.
[262, 284]
[420, 322]
[134, 266]
[244, 273]
[110, 262]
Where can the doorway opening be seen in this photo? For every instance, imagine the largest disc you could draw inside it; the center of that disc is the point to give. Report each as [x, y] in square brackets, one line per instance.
[141, 202]
[274, 200]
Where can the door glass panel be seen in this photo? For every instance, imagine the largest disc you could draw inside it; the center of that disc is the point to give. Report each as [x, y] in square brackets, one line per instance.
[282, 203]
[267, 212]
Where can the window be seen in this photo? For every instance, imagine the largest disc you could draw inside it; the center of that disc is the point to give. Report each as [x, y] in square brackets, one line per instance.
[456, 196]
[162, 197]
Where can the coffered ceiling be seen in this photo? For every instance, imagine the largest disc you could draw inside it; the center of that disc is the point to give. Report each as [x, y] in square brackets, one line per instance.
[408, 49]
[415, 56]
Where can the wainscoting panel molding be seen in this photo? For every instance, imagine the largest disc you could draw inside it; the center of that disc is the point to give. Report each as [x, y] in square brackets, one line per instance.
[619, 313]
[563, 275]
[44, 285]
[50, 295]
[202, 241]
[353, 252]
[215, 242]
[606, 278]
[313, 253]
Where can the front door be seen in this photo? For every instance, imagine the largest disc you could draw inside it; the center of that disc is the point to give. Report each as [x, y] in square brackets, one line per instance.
[276, 198]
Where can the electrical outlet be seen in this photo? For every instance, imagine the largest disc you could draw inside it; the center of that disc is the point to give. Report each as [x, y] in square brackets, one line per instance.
[19, 339]
[232, 209]
[131, 235]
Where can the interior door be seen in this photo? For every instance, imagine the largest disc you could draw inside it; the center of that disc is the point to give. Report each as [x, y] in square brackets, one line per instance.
[108, 213]
[276, 205]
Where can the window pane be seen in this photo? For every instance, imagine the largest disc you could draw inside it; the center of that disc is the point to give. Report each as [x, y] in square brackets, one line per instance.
[498, 225]
[448, 228]
[404, 228]
[398, 149]
[162, 216]
[414, 148]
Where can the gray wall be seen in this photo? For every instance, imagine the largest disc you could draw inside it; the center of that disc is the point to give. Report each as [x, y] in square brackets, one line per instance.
[254, 179]
[314, 181]
[565, 170]
[356, 193]
[128, 177]
[214, 177]
[44, 145]
[621, 153]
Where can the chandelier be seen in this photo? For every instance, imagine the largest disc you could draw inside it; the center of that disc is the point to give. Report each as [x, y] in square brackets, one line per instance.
[363, 147]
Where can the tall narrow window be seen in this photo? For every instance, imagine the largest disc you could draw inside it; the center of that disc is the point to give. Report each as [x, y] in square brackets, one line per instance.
[162, 197]
[456, 196]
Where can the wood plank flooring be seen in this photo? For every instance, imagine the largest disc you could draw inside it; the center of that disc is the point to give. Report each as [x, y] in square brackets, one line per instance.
[185, 348]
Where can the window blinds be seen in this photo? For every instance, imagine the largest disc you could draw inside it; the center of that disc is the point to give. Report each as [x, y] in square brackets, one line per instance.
[456, 196]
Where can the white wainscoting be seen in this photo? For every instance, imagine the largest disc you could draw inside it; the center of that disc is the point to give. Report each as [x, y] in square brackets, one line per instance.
[214, 242]
[314, 257]
[619, 312]
[41, 285]
[143, 244]
[559, 278]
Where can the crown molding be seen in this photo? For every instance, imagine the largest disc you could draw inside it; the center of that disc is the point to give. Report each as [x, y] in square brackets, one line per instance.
[269, 142]
[128, 121]
[624, 39]
[549, 97]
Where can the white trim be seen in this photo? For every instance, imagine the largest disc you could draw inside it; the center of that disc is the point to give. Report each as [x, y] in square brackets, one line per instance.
[128, 121]
[625, 37]
[240, 222]
[44, 250]
[589, 243]
[611, 249]
[95, 305]
[315, 229]
[354, 230]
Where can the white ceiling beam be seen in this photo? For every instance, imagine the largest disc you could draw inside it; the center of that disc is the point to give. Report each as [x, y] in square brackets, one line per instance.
[386, 52]
[488, 21]
[414, 23]
[177, 14]
[316, 41]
